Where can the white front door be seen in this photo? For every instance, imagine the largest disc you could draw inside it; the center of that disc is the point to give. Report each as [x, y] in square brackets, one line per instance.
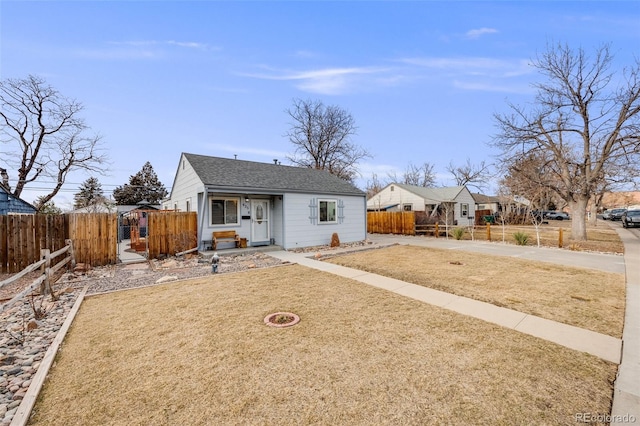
[260, 222]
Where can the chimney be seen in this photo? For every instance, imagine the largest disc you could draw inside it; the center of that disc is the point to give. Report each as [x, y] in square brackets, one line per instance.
[5, 178]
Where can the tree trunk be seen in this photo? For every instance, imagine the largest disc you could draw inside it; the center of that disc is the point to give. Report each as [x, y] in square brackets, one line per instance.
[593, 214]
[579, 219]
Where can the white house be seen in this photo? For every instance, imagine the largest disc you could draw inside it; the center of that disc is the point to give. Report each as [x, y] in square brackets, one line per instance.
[267, 203]
[456, 202]
[487, 202]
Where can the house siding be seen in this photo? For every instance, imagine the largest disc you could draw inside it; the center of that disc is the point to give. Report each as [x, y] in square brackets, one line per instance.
[185, 187]
[402, 196]
[465, 197]
[398, 196]
[11, 204]
[303, 228]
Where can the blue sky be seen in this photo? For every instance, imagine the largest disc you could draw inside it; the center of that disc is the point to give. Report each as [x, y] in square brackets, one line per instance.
[422, 79]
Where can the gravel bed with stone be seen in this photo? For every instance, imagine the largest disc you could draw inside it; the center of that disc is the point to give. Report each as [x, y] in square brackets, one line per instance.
[23, 343]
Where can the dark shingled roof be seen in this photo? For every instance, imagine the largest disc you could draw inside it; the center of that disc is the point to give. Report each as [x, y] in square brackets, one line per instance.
[250, 175]
[485, 199]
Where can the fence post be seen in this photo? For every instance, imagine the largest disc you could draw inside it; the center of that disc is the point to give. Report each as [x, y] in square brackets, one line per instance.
[45, 254]
[488, 231]
[437, 232]
[560, 238]
[70, 252]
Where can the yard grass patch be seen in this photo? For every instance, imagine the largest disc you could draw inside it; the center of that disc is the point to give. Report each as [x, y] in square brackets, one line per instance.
[584, 298]
[198, 352]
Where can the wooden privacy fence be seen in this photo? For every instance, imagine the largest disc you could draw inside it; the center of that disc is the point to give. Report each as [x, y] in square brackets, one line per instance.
[23, 236]
[94, 236]
[171, 232]
[391, 223]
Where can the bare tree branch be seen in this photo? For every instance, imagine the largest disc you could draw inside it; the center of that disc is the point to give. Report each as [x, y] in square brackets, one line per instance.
[588, 131]
[321, 136]
[471, 175]
[47, 133]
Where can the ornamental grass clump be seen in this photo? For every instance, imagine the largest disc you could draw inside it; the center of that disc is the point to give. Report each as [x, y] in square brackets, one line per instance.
[522, 239]
[457, 233]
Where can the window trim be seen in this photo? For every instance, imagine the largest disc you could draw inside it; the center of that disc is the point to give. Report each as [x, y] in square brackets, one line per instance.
[335, 210]
[212, 199]
[464, 212]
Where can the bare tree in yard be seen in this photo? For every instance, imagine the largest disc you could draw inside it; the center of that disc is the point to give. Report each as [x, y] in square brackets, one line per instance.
[530, 176]
[45, 135]
[415, 175]
[584, 126]
[420, 175]
[322, 139]
[472, 175]
[373, 186]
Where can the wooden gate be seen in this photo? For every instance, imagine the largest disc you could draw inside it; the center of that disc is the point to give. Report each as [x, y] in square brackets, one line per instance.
[171, 232]
[94, 236]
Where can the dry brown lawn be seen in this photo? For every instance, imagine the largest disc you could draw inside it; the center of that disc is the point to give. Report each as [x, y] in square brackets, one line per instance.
[601, 238]
[198, 353]
[584, 298]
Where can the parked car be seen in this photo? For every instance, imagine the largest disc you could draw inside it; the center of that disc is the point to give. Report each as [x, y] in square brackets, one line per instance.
[606, 215]
[557, 216]
[630, 218]
[616, 214]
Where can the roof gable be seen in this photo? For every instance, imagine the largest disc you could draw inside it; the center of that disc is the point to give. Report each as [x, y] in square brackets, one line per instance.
[13, 204]
[485, 199]
[249, 175]
[448, 193]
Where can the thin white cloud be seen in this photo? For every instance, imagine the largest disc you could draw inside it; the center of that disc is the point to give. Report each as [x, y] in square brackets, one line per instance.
[160, 43]
[305, 54]
[117, 54]
[473, 65]
[137, 49]
[477, 33]
[327, 81]
[492, 87]
[189, 44]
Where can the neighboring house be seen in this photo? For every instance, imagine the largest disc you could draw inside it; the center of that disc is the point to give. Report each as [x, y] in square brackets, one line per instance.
[456, 202]
[13, 205]
[622, 199]
[267, 203]
[487, 202]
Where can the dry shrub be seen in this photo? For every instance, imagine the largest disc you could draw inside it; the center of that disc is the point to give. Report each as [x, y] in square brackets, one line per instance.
[335, 240]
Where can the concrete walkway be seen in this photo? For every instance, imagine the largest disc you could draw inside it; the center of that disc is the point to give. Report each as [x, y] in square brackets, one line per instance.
[626, 392]
[626, 400]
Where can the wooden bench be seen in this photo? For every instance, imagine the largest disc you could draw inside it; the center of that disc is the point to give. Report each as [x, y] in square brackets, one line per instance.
[225, 236]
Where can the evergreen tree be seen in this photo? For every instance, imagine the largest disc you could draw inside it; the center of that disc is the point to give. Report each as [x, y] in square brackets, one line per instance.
[144, 185]
[49, 207]
[90, 194]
